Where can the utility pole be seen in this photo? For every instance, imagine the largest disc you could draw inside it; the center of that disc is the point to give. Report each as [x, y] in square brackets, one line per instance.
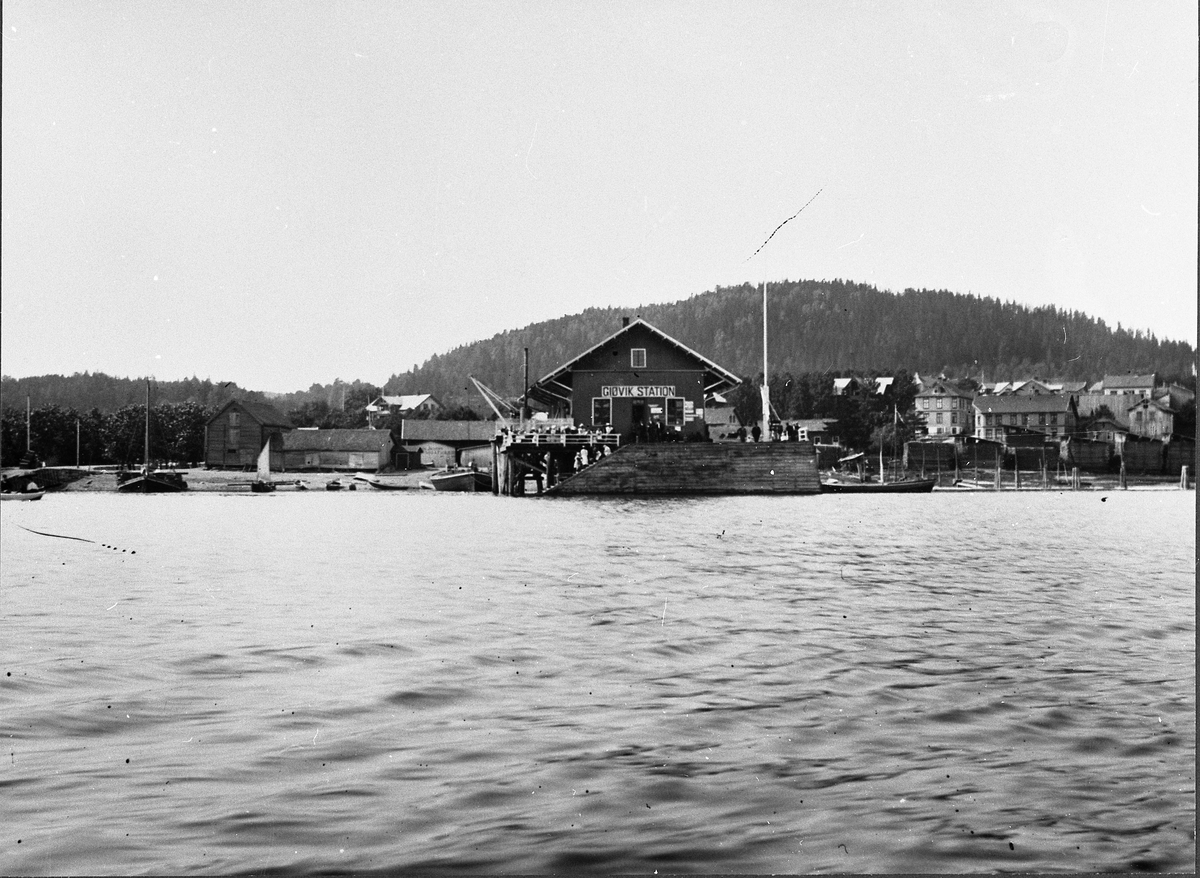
[525, 401]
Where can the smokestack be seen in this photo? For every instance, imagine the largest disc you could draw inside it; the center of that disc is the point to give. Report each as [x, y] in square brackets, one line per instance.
[624, 321]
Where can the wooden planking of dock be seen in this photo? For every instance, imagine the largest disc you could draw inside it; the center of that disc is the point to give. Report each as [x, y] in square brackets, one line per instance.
[699, 468]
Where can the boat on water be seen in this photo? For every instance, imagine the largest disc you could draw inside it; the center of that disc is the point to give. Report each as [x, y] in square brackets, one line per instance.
[846, 483]
[22, 495]
[462, 479]
[836, 485]
[149, 480]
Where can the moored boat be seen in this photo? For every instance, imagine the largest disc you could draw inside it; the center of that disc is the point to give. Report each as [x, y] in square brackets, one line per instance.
[852, 486]
[383, 484]
[22, 495]
[149, 480]
[461, 479]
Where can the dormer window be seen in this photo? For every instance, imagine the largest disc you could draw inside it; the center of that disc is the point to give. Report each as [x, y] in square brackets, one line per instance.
[637, 358]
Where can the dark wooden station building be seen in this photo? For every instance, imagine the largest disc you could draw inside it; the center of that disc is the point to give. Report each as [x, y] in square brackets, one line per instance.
[637, 405]
[638, 383]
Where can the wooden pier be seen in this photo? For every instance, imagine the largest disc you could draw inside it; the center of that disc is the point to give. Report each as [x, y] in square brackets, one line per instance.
[670, 468]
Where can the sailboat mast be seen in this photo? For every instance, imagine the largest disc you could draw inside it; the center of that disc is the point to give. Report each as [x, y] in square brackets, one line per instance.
[766, 389]
[146, 463]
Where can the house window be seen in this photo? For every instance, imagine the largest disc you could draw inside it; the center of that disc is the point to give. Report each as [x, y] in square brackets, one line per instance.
[674, 412]
[235, 419]
[637, 358]
[234, 435]
[953, 417]
[1025, 420]
[1042, 419]
[925, 404]
[601, 411]
[357, 459]
[939, 403]
[939, 419]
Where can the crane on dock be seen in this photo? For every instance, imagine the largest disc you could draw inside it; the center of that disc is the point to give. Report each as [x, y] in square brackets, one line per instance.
[497, 402]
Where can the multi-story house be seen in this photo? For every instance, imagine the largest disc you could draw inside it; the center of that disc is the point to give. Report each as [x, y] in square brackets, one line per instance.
[1054, 414]
[945, 408]
[412, 405]
[1142, 385]
[1151, 418]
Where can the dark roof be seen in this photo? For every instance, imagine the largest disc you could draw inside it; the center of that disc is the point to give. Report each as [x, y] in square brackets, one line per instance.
[946, 388]
[416, 430]
[717, 377]
[1158, 404]
[336, 440]
[1112, 382]
[265, 413]
[1011, 403]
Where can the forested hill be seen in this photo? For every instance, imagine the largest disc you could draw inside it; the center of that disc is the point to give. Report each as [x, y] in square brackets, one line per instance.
[95, 390]
[818, 326]
[815, 326]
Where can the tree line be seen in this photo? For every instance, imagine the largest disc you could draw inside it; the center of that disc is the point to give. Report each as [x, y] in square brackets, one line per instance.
[64, 436]
[823, 326]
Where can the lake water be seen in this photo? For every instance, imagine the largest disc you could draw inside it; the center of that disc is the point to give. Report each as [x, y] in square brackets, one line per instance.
[469, 684]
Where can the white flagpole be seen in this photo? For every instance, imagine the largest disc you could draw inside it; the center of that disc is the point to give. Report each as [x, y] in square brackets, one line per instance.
[766, 391]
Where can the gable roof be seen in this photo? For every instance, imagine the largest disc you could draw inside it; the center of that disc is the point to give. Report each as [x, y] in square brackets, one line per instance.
[1016, 404]
[337, 440]
[1147, 403]
[941, 387]
[446, 431]
[266, 415]
[1139, 382]
[552, 386]
[404, 403]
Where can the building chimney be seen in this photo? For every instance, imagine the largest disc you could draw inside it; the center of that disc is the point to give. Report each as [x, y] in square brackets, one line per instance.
[624, 321]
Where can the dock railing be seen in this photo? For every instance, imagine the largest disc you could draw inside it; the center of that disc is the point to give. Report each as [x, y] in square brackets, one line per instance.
[562, 439]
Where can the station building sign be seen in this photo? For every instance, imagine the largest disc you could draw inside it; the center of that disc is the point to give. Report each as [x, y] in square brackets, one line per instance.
[633, 390]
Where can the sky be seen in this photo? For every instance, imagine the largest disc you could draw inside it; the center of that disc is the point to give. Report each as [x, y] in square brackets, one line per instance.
[286, 193]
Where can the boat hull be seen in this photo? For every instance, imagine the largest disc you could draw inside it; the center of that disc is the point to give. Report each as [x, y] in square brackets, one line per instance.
[22, 495]
[385, 486]
[465, 481]
[911, 486]
[153, 483]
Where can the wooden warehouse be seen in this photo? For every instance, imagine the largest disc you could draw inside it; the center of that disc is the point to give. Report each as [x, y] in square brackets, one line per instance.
[322, 450]
[640, 381]
[235, 435]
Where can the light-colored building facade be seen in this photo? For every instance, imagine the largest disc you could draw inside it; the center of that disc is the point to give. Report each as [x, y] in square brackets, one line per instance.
[945, 409]
[1054, 414]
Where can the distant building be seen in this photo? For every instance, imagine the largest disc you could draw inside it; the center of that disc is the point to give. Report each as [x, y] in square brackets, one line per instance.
[382, 408]
[1174, 395]
[721, 417]
[1052, 414]
[944, 408]
[1151, 419]
[1106, 429]
[1142, 385]
[369, 450]
[440, 443]
[235, 435]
